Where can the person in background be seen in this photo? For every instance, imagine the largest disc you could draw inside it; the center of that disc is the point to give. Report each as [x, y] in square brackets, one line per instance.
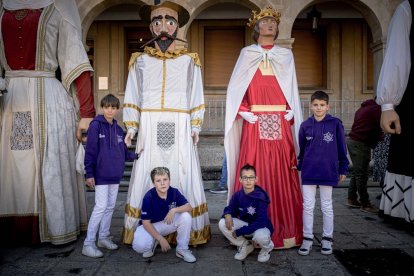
[364, 136]
[323, 163]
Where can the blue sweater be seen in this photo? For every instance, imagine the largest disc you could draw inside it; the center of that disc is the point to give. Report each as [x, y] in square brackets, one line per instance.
[322, 156]
[106, 152]
[250, 208]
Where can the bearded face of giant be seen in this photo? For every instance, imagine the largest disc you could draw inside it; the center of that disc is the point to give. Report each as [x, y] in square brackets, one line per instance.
[164, 27]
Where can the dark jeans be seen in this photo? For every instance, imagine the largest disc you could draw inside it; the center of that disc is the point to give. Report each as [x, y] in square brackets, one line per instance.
[360, 155]
[223, 179]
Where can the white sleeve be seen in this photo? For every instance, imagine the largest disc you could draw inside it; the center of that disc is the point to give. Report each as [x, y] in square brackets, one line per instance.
[132, 101]
[197, 100]
[395, 69]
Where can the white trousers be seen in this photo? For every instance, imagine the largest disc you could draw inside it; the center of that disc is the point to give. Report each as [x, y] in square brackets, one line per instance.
[105, 199]
[309, 194]
[181, 224]
[260, 236]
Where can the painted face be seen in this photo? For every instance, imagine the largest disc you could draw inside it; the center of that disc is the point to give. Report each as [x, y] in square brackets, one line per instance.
[164, 27]
[268, 27]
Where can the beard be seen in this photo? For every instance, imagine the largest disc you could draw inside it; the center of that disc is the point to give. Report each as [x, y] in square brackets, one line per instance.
[164, 44]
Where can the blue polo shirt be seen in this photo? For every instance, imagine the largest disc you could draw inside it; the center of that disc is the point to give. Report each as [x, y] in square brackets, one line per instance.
[155, 208]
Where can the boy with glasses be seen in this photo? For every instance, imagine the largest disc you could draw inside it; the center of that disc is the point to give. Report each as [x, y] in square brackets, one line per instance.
[246, 216]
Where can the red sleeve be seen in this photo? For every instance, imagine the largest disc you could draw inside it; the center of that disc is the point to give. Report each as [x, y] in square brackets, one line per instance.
[85, 95]
[244, 106]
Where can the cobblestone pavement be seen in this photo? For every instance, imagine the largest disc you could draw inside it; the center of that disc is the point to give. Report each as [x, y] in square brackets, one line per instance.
[353, 230]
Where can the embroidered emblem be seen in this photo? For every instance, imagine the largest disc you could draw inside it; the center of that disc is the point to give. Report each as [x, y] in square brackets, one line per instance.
[172, 205]
[309, 138]
[328, 137]
[101, 135]
[269, 127]
[165, 135]
[251, 210]
[143, 213]
[120, 140]
[22, 134]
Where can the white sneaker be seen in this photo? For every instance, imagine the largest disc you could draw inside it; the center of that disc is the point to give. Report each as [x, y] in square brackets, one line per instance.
[326, 246]
[108, 244]
[264, 254]
[186, 255]
[150, 253]
[91, 251]
[244, 250]
[306, 246]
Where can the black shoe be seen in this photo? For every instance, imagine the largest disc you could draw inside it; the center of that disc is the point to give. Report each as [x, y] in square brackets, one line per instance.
[219, 190]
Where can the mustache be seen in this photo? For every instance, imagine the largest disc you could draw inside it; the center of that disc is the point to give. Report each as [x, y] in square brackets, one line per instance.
[163, 34]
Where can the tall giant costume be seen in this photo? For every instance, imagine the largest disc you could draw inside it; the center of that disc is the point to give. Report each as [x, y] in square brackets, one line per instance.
[396, 90]
[264, 84]
[41, 196]
[164, 103]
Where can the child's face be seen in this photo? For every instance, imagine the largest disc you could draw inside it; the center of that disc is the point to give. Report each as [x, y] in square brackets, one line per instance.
[319, 108]
[248, 179]
[109, 112]
[161, 183]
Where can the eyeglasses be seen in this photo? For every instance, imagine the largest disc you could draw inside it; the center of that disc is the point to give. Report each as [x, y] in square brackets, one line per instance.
[248, 178]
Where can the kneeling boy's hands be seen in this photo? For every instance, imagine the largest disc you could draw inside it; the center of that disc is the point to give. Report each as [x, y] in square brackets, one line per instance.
[170, 216]
[165, 246]
[229, 222]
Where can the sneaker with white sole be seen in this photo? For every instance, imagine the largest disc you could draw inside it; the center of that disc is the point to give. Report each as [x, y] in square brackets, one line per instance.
[186, 255]
[306, 246]
[91, 251]
[326, 246]
[264, 254]
[108, 244]
[244, 250]
[150, 253]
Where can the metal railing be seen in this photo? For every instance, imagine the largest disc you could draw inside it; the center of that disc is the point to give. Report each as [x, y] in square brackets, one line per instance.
[215, 114]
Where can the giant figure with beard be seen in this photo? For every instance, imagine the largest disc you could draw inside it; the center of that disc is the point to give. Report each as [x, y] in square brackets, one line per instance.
[164, 104]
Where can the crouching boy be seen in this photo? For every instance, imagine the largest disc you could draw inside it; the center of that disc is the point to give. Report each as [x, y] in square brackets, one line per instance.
[164, 211]
[246, 216]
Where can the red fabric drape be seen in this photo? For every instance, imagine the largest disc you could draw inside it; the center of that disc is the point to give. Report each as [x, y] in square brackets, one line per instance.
[268, 146]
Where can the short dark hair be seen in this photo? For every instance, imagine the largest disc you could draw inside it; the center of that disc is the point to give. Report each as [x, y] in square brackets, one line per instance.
[159, 171]
[110, 100]
[256, 31]
[247, 167]
[320, 95]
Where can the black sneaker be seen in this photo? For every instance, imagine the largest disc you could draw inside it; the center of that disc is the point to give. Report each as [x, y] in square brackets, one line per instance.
[219, 190]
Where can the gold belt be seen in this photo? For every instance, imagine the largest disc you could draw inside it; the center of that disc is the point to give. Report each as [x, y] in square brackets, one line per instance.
[259, 108]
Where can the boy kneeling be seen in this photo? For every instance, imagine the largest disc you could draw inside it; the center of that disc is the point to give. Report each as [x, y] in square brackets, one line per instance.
[246, 215]
[164, 211]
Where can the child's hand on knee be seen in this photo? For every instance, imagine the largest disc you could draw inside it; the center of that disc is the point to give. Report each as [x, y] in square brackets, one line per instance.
[165, 246]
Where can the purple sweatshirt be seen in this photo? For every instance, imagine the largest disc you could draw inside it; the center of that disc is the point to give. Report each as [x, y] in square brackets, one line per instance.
[250, 208]
[322, 156]
[106, 152]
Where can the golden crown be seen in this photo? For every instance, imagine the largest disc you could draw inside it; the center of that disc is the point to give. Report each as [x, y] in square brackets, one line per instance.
[266, 12]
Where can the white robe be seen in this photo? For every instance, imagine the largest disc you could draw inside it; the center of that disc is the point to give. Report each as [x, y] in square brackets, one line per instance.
[37, 170]
[164, 101]
[283, 65]
[398, 193]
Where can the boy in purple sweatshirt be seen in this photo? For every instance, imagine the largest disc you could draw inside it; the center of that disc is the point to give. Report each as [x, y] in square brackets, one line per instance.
[246, 216]
[323, 163]
[105, 156]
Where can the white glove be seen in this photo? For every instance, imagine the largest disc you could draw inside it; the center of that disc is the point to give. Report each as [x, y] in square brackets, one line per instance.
[289, 115]
[248, 116]
[129, 136]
